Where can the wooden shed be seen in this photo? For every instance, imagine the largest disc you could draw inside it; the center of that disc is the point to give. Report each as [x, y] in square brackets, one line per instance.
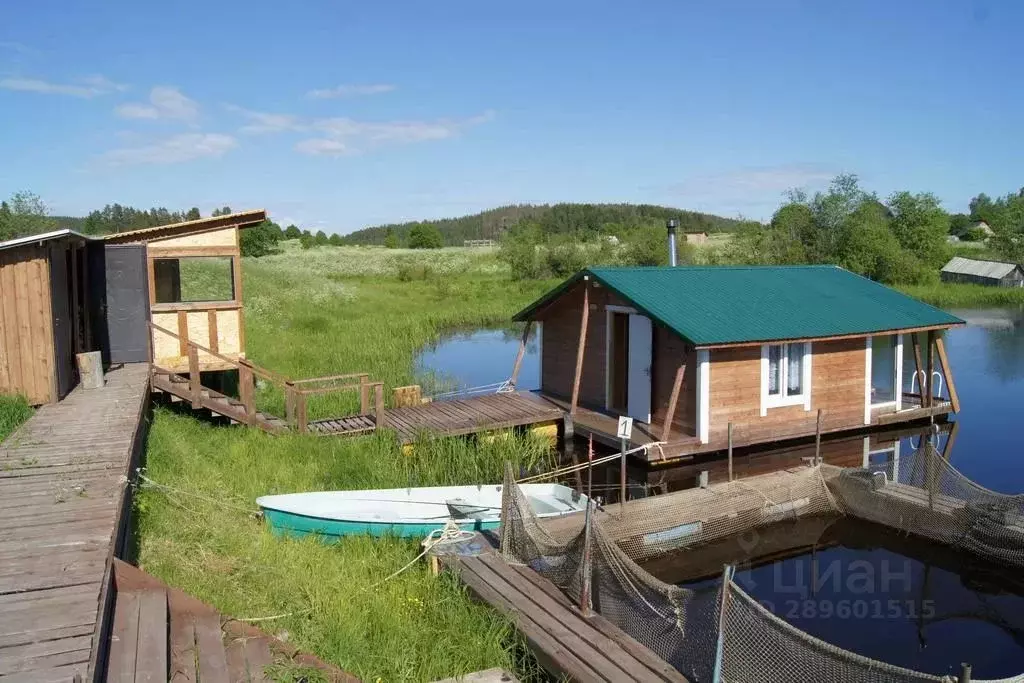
[979, 272]
[44, 313]
[692, 353]
[189, 277]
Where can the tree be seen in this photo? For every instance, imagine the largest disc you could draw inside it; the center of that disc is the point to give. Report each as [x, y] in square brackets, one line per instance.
[307, 240]
[869, 246]
[193, 214]
[335, 240]
[959, 224]
[831, 210]
[425, 236]
[321, 238]
[222, 212]
[794, 234]
[292, 232]
[921, 226]
[24, 214]
[391, 239]
[260, 240]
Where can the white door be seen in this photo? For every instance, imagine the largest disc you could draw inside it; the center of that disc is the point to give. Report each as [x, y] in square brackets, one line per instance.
[638, 395]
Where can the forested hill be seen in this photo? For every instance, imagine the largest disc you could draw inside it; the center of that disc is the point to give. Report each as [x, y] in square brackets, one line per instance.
[583, 219]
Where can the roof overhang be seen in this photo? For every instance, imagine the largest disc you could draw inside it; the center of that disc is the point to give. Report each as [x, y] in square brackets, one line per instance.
[44, 237]
[837, 337]
[242, 219]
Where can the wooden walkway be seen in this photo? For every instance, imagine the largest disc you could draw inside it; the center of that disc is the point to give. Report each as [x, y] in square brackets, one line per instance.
[162, 634]
[457, 417]
[62, 491]
[584, 649]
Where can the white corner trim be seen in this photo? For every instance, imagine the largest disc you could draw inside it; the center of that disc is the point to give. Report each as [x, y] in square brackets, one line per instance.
[704, 394]
[867, 380]
[806, 379]
[764, 380]
[540, 353]
[899, 372]
[607, 358]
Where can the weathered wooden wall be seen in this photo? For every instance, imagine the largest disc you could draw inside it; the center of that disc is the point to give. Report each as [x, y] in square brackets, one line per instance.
[26, 324]
[837, 387]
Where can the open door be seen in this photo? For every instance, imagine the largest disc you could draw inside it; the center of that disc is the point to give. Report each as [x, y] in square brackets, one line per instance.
[640, 353]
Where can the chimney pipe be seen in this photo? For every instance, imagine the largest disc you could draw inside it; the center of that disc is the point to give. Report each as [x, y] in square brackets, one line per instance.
[672, 225]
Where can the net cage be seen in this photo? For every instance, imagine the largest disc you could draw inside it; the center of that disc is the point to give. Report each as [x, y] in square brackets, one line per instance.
[719, 632]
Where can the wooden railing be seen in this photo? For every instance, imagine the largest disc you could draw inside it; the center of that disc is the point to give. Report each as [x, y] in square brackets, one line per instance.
[296, 392]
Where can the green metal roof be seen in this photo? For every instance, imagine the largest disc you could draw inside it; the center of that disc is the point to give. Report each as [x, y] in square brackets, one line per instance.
[712, 305]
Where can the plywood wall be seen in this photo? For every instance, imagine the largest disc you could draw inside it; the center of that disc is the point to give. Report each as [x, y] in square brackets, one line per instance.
[168, 350]
[226, 237]
[26, 324]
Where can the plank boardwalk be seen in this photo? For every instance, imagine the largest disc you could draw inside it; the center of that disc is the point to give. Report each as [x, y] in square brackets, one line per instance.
[452, 417]
[61, 498]
[566, 643]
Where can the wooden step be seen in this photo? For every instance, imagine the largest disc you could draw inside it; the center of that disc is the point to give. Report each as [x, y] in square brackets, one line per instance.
[138, 643]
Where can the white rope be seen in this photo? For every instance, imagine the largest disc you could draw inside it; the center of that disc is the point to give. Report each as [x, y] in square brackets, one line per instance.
[149, 483]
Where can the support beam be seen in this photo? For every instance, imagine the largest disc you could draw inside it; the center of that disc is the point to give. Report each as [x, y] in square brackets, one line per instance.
[918, 366]
[929, 368]
[677, 388]
[954, 399]
[579, 351]
[519, 354]
[947, 450]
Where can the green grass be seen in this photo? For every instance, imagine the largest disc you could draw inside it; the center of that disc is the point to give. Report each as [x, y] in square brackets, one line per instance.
[955, 295]
[14, 410]
[327, 311]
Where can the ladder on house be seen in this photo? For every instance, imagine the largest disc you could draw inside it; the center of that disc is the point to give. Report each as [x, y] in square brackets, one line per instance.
[188, 387]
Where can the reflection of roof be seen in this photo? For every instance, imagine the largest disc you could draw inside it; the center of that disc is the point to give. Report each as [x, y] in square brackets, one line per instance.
[242, 219]
[968, 266]
[721, 305]
[42, 237]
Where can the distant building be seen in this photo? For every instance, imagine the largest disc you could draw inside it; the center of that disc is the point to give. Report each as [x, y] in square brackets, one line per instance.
[696, 237]
[991, 273]
[984, 228]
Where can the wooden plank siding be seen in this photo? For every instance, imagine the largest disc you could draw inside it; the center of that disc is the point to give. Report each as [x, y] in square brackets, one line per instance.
[26, 324]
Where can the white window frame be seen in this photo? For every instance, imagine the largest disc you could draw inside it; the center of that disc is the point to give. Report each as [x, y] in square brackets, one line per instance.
[897, 403]
[704, 395]
[609, 310]
[804, 397]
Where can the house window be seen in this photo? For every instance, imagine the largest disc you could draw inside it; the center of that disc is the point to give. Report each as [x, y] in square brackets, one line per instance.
[193, 279]
[785, 375]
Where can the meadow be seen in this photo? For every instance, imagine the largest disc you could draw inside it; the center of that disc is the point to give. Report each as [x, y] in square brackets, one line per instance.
[323, 311]
[13, 411]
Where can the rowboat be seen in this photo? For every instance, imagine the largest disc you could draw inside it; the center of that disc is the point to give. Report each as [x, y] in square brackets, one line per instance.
[413, 512]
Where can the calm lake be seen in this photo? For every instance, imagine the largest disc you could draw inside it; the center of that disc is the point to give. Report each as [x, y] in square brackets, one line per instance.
[933, 609]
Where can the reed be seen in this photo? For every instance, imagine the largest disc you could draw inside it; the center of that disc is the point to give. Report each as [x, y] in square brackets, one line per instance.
[955, 295]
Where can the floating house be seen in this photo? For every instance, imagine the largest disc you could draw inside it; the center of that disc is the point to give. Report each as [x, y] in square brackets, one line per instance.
[703, 356]
[975, 271]
[64, 293]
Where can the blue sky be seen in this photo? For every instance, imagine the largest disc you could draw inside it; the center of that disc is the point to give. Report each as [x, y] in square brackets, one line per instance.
[337, 115]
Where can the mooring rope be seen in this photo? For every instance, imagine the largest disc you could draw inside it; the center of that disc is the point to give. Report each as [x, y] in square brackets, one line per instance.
[149, 483]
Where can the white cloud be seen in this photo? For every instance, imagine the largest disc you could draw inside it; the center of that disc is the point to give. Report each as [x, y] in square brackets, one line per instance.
[757, 180]
[340, 91]
[264, 122]
[165, 102]
[17, 47]
[322, 147]
[348, 135]
[173, 150]
[86, 87]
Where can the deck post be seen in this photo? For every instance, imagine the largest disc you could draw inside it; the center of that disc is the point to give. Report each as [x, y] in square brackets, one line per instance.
[624, 445]
[930, 366]
[378, 404]
[586, 568]
[918, 366]
[289, 403]
[583, 342]
[673, 400]
[245, 392]
[730, 451]
[520, 353]
[965, 673]
[954, 398]
[817, 439]
[569, 446]
[303, 418]
[194, 385]
[364, 394]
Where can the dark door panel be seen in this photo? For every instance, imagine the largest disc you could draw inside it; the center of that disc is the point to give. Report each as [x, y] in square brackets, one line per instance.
[127, 304]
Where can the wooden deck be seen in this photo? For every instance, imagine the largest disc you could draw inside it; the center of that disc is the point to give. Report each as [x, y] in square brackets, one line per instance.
[453, 417]
[163, 634]
[603, 427]
[566, 643]
[62, 492]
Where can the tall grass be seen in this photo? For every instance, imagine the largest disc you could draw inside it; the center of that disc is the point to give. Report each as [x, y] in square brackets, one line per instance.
[956, 295]
[14, 410]
[327, 311]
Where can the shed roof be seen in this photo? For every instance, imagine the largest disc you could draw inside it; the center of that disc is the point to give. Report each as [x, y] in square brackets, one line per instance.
[723, 305]
[969, 266]
[241, 219]
[43, 237]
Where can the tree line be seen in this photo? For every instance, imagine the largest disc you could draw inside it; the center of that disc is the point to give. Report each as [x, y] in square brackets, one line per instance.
[580, 220]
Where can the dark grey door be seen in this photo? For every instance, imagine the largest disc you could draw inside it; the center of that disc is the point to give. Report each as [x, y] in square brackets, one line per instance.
[127, 303]
[63, 325]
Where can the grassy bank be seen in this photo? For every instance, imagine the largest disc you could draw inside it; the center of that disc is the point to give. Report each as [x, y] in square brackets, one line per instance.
[950, 295]
[13, 411]
[316, 312]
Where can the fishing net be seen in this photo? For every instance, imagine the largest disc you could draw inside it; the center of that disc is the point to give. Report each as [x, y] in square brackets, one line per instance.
[925, 495]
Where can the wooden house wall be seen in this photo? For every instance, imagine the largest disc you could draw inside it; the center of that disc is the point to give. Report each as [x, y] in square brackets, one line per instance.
[26, 324]
[837, 388]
